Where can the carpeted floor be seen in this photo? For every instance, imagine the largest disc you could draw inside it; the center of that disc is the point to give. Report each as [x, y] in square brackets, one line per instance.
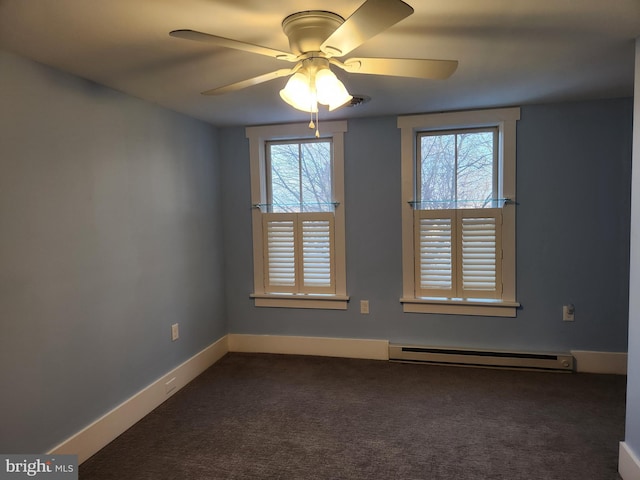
[253, 416]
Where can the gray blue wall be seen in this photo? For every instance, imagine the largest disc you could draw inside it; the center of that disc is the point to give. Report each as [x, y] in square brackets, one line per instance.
[119, 218]
[632, 432]
[110, 231]
[573, 182]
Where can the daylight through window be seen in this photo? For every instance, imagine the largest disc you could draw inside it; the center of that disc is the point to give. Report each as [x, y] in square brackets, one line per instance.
[298, 216]
[457, 169]
[299, 176]
[458, 222]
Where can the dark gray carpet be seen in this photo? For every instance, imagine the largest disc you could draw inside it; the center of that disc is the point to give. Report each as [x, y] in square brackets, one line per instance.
[256, 416]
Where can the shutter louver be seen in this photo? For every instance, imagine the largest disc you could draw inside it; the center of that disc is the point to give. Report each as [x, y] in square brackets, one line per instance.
[458, 253]
[280, 253]
[298, 252]
[316, 254]
[479, 254]
[434, 242]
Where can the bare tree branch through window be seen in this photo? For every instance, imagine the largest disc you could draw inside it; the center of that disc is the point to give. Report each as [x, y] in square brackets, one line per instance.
[300, 175]
[457, 169]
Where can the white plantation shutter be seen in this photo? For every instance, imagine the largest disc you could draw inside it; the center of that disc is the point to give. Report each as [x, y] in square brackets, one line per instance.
[458, 253]
[480, 253]
[299, 252]
[317, 253]
[299, 259]
[279, 242]
[434, 242]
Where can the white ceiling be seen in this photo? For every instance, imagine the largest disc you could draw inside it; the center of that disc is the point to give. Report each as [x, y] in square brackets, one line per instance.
[511, 52]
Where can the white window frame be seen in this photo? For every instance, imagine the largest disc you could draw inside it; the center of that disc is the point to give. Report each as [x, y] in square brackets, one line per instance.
[258, 137]
[505, 120]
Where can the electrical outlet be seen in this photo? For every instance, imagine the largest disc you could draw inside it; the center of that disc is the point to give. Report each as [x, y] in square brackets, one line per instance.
[364, 306]
[175, 332]
[568, 312]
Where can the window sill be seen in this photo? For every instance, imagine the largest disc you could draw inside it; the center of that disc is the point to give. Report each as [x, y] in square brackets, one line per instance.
[479, 307]
[292, 300]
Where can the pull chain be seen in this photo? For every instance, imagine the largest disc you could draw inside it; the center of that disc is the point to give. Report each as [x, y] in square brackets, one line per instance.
[311, 124]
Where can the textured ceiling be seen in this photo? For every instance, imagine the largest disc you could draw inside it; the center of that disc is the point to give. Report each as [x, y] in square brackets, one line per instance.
[510, 52]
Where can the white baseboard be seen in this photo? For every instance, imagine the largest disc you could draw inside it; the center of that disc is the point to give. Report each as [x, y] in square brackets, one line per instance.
[95, 436]
[600, 362]
[628, 463]
[322, 346]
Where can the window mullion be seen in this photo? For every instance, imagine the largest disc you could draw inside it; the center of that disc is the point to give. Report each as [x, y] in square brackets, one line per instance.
[301, 200]
[497, 190]
[455, 171]
[266, 181]
[418, 169]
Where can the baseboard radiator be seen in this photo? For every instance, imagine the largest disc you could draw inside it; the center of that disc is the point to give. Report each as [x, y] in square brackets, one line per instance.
[482, 358]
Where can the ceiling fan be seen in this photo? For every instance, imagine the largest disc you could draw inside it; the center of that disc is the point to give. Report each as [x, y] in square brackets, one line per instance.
[316, 38]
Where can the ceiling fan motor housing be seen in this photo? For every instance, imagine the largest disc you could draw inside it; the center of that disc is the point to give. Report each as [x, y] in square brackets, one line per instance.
[317, 37]
[308, 30]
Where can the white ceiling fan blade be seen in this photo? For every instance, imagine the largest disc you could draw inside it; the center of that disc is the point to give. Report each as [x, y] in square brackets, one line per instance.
[373, 17]
[235, 44]
[401, 67]
[283, 72]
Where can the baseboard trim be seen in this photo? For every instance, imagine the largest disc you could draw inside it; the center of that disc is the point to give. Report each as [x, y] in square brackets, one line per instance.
[628, 463]
[105, 429]
[321, 346]
[98, 434]
[600, 362]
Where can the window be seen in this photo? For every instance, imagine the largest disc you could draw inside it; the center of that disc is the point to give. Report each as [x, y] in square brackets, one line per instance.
[298, 216]
[458, 174]
[299, 226]
[299, 176]
[457, 169]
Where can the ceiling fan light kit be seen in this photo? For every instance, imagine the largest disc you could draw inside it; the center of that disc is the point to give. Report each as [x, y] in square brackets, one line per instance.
[330, 90]
[315, 83]
[315, 38]
[297, 93]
